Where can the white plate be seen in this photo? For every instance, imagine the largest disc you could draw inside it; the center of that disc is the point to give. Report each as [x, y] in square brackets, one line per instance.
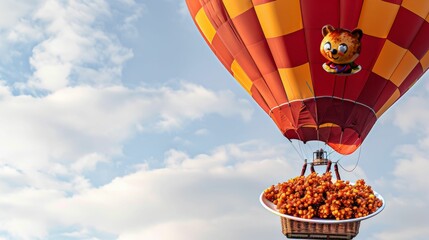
[272, 208]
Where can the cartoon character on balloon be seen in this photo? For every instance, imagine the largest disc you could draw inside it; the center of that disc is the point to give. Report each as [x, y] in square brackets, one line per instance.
[341, 47]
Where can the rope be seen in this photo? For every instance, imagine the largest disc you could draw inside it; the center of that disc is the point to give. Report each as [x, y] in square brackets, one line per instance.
[301, 155]
[357, 162]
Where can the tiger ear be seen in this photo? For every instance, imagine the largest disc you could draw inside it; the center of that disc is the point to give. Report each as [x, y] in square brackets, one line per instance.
[357, 33]
[327, 29]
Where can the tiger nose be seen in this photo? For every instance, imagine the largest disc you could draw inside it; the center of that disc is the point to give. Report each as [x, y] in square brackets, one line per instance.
[334, 51]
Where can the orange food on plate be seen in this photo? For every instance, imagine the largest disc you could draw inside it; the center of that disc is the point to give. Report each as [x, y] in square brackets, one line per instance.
[316, 196]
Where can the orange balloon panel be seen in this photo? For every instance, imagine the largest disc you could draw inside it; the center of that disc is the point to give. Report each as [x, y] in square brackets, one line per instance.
[272, 48]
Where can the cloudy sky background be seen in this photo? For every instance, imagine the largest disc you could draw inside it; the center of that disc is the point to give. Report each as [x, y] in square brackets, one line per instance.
[117, 122]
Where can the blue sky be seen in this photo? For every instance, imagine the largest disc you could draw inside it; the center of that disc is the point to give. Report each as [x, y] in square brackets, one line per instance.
[119, 123]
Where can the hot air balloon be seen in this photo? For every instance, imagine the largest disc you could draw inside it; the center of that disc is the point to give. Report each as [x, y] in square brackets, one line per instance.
[273, 49]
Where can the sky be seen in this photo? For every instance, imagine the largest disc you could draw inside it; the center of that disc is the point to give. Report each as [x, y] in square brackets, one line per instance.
[117, 122]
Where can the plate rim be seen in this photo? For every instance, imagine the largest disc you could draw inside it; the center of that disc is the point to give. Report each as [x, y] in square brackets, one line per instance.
[265, 203]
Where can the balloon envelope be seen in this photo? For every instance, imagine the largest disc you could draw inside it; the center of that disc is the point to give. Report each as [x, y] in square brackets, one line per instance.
[272, 49]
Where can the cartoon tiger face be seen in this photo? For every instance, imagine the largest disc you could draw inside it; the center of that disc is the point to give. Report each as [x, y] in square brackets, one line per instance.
[340, 46]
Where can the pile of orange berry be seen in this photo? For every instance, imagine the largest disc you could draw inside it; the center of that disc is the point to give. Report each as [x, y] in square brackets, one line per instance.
[316, 196]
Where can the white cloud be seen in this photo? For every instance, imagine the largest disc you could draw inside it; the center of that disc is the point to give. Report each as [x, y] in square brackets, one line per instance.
[405, 217]
[209, 191]
[420, 232]
[405, 190]
[72, 130]
[76, 48]
[128, 25]
[24, 31]
[16, 29]
[24, 212]
[206, 193]
[65, 125]
[13, 10]
[72, 42]
[88, 162]
[230, 226]
[412, 117]
[80, 123]
[412, 173]
[176, 105]
[413, 114]
[176, 159]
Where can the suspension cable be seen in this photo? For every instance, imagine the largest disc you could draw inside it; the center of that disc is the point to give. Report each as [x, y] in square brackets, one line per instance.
[301, 155]
[357, 162]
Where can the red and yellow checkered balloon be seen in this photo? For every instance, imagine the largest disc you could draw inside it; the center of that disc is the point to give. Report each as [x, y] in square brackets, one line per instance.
[272, 48]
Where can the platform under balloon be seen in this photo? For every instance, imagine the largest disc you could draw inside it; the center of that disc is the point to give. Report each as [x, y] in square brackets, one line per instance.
[315, 227]
[299, 228]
